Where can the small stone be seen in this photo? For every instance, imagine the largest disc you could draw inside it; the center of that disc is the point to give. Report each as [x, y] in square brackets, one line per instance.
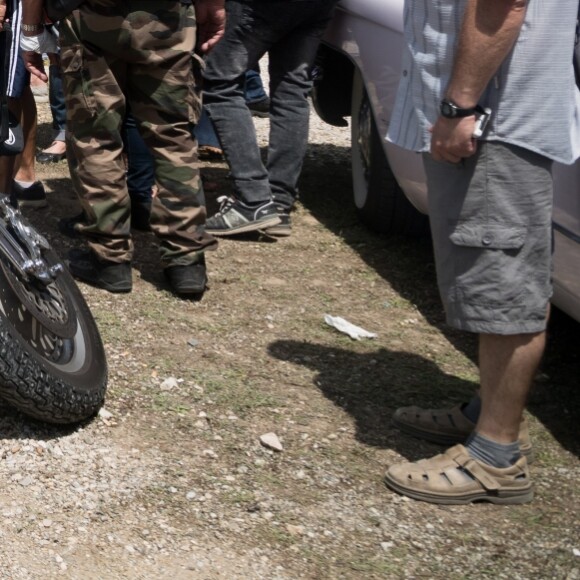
[209, 453]
[26, 481]
[294, 530]
[190, 495]
[193, 342]
[104, 414]
[46, 523]
[386, 546]
[271, 441]
[168, 384]
[57, 451]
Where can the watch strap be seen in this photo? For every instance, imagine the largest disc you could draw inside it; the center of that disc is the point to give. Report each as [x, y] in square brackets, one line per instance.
[32, 27]
[450, 110]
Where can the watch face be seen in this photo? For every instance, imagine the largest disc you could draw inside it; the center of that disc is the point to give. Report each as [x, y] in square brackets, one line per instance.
[447, 110]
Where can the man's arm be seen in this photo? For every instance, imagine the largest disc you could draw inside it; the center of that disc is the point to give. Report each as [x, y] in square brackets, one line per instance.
[32, 12]
[2, 13]
[489, 30]
[210, 16]
[35, 39]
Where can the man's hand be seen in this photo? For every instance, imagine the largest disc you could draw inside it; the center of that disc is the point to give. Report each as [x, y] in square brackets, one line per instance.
[33, 46]
[210, 16]
[452, 139]
[34, 65]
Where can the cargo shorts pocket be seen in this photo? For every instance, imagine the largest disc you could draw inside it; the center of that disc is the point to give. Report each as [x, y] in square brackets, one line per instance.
[77, 80]
[488, 264]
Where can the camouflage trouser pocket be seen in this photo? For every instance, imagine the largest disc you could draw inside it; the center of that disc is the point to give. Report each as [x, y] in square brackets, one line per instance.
[77, 81]
[197, 66]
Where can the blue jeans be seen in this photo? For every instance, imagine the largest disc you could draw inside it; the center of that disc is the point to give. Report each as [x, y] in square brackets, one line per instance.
[254, 88]
[56, 101]
[289, 31]
[140, 163]
[204, 131]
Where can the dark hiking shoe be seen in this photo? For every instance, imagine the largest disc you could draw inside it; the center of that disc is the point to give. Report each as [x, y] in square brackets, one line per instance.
[190, 279]
[260, 108]
[111, 276]
[33, 196]
[235, 217]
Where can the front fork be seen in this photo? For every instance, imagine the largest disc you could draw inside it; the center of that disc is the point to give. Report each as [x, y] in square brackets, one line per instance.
[23, 246]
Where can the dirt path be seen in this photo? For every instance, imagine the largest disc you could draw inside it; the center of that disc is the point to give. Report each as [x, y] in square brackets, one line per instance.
[172, 481]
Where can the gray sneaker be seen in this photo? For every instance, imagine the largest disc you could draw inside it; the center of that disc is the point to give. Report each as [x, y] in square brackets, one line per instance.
[236, 217]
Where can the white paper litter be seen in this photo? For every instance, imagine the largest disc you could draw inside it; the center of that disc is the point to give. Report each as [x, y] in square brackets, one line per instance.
[345, 326]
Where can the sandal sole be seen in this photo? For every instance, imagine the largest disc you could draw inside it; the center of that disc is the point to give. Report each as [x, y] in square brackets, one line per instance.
[503, 497]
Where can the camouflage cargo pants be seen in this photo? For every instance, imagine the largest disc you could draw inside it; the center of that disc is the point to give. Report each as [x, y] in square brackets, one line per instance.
[115, 54]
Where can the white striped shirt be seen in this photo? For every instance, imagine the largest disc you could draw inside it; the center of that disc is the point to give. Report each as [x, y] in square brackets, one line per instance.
[533, 96]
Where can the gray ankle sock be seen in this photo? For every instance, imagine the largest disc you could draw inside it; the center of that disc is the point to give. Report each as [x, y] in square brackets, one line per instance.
[491, 452]
[472, 409]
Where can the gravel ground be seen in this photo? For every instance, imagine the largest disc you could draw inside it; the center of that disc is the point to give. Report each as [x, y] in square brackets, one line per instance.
[174, 478]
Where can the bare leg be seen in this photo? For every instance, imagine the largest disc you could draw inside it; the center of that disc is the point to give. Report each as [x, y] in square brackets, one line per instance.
[25, 161]
[507, 365]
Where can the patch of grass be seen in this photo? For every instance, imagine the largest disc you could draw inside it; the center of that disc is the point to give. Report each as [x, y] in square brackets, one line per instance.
[165, 402]
[238, 497]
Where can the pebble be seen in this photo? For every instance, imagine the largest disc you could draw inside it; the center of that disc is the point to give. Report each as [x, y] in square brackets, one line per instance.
[295, 530]
[104, 414]
[271, 441]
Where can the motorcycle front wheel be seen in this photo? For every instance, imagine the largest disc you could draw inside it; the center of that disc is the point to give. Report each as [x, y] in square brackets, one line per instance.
[52, 361]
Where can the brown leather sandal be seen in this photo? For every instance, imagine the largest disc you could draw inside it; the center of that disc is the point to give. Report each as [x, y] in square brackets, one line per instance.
[454, 477]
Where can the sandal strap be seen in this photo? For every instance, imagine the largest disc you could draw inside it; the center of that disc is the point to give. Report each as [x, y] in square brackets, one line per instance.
[459, 455]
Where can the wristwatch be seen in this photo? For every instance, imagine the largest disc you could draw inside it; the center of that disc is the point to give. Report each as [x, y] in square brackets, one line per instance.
[450, 110]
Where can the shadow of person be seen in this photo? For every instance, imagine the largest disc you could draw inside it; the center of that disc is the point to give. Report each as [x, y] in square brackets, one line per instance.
[370, 386]
[407, 265]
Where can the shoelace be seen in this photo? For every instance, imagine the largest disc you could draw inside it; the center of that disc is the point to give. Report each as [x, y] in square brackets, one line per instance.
[226, 203]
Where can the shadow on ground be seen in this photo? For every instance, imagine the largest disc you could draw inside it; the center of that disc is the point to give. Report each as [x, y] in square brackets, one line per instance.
[370, 386]
[407, 265]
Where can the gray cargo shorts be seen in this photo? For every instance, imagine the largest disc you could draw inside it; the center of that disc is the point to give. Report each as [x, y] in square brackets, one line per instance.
[491, 221]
